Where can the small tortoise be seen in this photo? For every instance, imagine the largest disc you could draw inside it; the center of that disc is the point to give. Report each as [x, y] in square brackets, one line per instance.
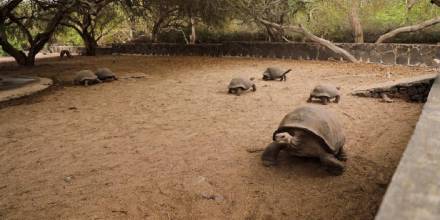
[86, 77]
[325, 93]
[239, 85]
[105, 74]
[273, 73]
[309, 131]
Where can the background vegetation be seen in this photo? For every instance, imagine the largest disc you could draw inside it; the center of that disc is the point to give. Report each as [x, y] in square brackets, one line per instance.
[196, 21]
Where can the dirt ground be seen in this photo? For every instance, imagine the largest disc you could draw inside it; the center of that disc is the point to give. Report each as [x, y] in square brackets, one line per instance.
[174, 145]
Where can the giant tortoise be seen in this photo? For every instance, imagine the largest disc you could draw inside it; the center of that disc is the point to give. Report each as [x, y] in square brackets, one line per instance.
[239, 85]
[309, 131]
[85, 77]
[325, 92]
[273, 73]
[105, 74]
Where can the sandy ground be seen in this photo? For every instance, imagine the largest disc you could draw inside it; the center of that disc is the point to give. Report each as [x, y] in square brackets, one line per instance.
[174, 145]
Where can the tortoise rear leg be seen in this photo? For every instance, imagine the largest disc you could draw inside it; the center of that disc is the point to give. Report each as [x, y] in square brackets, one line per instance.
[342, 155]
[254, 88]
[333, 165]
[270, 154]
[325, 100]
[337, 99]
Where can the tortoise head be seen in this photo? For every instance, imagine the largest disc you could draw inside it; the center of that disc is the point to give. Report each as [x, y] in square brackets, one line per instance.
[252, 78]
[286, 138]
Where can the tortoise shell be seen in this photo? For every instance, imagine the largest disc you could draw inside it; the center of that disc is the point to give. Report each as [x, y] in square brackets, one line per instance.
[319, 121]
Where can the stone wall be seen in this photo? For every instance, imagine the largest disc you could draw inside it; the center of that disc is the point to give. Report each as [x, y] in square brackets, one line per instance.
[403, 54]
[71, 49]
[414, 191]
[414, 89]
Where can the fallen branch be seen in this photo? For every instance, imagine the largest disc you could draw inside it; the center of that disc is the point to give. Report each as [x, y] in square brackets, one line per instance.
[406, 29]
[314, 38]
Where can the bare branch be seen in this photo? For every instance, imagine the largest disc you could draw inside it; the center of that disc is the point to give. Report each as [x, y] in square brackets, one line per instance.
[407, 29]
[312, 37]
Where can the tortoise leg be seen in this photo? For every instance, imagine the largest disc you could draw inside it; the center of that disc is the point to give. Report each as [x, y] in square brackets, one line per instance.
[324, 100]
[254, 88]
[86, 82]
[333, 165]
[342, 155]
[98, 81]
[238, 91]
[270, 154]
[310, 99]
[230, 91]
[115, 78]
[337, 99]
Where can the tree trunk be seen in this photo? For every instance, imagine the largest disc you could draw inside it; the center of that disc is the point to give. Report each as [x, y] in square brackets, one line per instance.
[36, 44]
[155, 33]
[90, 44]
[406, 29]
[132, 28]
[193, 36]
[156, 30]
[356, 25]
[312, 37]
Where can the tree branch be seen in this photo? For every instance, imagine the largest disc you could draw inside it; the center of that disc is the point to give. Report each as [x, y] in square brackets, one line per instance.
[312, 37]
[406, 29]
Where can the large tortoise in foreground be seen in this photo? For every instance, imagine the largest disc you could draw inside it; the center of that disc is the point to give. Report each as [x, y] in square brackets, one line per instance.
[310, 131]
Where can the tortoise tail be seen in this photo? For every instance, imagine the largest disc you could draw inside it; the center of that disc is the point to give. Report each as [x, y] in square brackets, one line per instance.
[288, 71]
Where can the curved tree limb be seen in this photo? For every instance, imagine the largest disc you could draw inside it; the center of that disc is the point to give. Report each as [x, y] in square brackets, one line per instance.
[406, 29]
[314, 38]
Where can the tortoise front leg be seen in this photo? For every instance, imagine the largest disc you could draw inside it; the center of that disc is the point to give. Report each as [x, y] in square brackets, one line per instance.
[230, 91]
[310, 99]
[238, 91]
[86, 82]
[333, 165]
[342, 155]
[337, 99]
[270, 154]
[324, 100]
[254, 88]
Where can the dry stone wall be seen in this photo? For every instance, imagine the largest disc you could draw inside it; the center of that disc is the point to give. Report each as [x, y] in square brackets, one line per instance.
[390, 54]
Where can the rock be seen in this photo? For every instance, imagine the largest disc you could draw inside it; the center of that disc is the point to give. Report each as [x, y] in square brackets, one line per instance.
[386, 99]
[68, 179]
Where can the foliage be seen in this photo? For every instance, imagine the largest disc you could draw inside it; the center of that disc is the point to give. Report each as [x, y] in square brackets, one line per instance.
[214, 20]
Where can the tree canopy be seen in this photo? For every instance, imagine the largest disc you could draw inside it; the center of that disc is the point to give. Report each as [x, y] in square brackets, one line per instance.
[28, 26]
